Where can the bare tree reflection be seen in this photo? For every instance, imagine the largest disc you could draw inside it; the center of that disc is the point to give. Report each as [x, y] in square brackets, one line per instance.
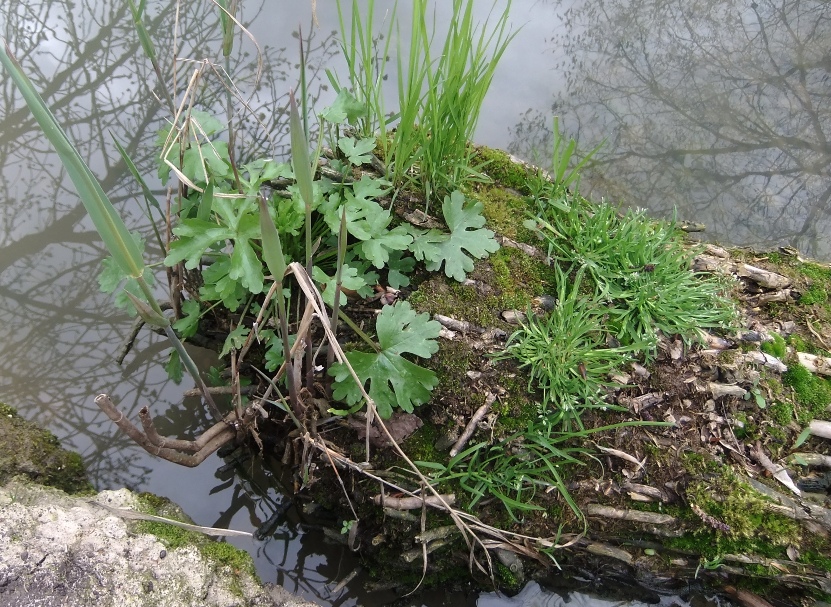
[59, 334]
[720, 109]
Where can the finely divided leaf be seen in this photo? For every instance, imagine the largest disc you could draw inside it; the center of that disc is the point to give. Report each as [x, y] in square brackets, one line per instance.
[393, 380]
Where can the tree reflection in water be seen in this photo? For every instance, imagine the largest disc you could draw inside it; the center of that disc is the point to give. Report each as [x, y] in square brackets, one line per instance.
[718, 109]
[60, 335]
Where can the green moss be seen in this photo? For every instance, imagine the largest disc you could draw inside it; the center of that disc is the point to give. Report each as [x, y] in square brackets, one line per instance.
[28, 450]
[508, 280]
[505, 212]
[814, 295]
[499, 167]
[752, 527]
[517, 408]
[226, 554]
[173, 537]
[506, 578]
[817, 272]
[420, 446]
[813, 393]
[781, 413]
[776, 347]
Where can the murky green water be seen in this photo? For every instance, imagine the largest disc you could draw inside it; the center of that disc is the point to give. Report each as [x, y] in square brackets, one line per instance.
[719, 110]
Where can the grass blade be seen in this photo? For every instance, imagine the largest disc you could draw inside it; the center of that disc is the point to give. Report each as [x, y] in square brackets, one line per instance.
[110, 226]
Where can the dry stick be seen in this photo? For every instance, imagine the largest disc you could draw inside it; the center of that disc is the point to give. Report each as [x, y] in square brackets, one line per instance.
[342, 486]
[471, 426]
[177, 457]
[138, 323]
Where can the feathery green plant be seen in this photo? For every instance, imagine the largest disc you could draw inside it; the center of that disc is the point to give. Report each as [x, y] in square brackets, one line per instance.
[566, 353]
[639, 266]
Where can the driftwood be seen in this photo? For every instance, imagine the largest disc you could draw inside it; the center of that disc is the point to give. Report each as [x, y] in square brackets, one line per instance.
[480, 413]
[821, 365]
[816, 460]
[766, 360]
[820, 428]
[762, 277]
[182, 452]
[411, 503]
[778, 472]
[637, 516]
[610, 551]
[719, 390]
[799, 510]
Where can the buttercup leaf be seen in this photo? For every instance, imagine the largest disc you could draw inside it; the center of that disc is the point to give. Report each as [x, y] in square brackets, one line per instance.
[393, 380]
[466, 234]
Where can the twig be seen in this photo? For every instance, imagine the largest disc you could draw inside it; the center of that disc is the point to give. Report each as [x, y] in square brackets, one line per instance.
[141, 516]
[218, 435]
[480, 413]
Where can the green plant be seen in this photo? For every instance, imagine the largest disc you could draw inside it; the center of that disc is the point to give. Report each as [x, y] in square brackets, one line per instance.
[638, 265]
[366, 62]
[448, 96]
[561, 157]
[393, 380]
[439, 96]
[124, 247]
[566, 353]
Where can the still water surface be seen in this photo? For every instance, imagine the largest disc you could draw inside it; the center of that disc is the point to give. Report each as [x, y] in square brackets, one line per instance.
[717, 109]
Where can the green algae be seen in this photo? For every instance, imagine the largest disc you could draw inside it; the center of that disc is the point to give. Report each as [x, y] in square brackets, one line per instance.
[813, 393]
[37, 454]
[219, 552]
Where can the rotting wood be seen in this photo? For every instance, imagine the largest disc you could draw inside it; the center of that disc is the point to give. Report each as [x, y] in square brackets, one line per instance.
[653, 493]
[637, 516]
[431, 535]
[411, 503]
[766, 360]
[781, 296]
[762, 277]
[610, 551]
[778, 472]
[816, 460]
[821, 365]
[719, 390]
[528, 249]
[800, 510]
[410, 555]
[821, 428]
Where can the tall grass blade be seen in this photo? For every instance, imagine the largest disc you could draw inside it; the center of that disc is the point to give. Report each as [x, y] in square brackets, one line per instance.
[149, 198]
[148, 48]
[272, 247]
[110, 226]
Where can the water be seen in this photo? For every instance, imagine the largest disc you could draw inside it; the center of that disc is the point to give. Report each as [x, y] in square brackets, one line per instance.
[742, 77]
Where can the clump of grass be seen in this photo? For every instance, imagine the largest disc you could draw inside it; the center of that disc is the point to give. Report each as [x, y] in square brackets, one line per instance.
[640, 266]
[566, 353]
[439, 95]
